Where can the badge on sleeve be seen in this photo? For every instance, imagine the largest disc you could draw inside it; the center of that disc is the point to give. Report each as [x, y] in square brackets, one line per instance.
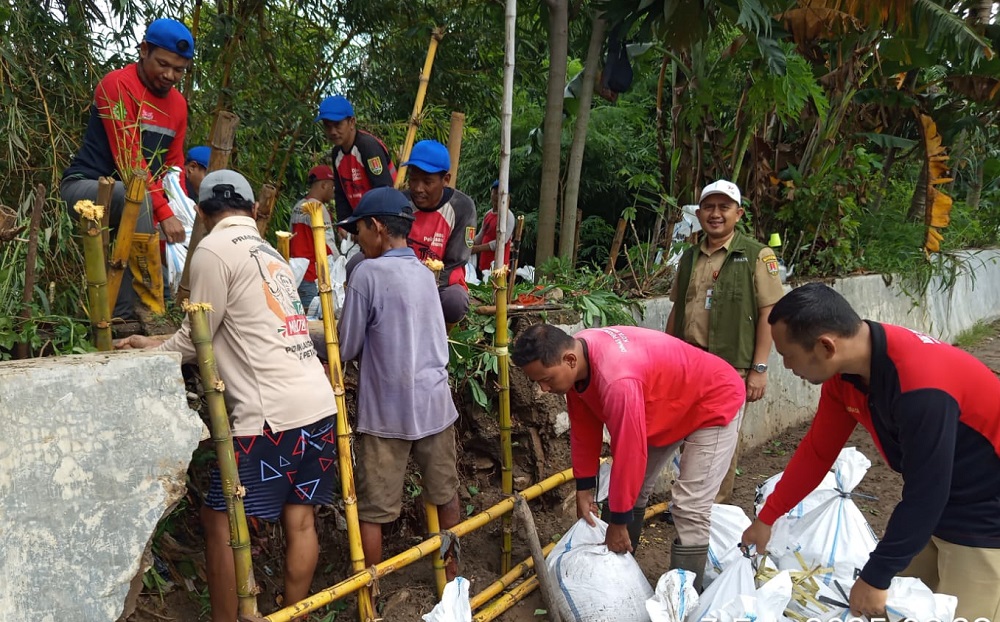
[771, 263]
[375, 165]
[470, 236]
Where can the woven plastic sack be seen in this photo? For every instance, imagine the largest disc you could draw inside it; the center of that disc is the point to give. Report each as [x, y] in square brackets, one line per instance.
[454, 605]
[674, 597]
[728, 524]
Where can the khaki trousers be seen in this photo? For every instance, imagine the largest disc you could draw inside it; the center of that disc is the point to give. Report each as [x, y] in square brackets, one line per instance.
[972, 574]
[704, 461]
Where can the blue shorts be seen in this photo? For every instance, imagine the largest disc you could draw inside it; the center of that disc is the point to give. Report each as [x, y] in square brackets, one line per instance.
[297, 466]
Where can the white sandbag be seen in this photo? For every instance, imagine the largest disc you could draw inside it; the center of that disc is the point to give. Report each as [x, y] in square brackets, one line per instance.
[599, 585]
[735, 580]
[454, 605]
[338, 276]
[526, 273]
[183, 208]
[833, 533]
[728, 524]
[674, 597]
[908, 599]
[471, 278]
[766, 604]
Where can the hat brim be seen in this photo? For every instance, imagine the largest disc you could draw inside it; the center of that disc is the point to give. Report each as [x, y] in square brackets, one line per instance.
[426, 167]
[332, 117]
[715, 192]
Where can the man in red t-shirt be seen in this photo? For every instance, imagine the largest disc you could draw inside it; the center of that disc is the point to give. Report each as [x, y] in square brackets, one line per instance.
[360, 160]
[934, 414]
[137, 120]
[654, 393]
[302, 250]
[486, 241]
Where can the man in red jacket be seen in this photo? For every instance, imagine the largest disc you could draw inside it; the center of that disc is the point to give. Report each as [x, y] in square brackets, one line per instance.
[934, 414]
[487, 240]
[137, 120]
[654, 393]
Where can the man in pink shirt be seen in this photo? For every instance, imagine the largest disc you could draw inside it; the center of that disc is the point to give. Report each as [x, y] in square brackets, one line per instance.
[653, 392]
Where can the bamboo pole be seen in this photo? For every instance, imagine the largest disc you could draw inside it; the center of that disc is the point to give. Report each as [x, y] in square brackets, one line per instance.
[284, 239]
[431, 545]
[239, 533]
[418, 105]
[508, 600]
[500, 269]
[490, 591]
[555, 601]
[437, 562]
[223, 136]
[105, 192]
[22, 350]
[97, 275]
[135, 194]
[266, 199]
[515, 253]
[616, 245]
[366, 609]
[455, 145]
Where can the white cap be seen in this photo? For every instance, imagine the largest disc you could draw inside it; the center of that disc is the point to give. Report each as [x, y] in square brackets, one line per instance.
[722, 186]
[229, 183]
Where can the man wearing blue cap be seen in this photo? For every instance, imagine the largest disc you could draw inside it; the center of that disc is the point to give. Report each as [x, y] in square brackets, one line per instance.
[404, 401]
[360, 160]
[445, 225]
[137, 120]
[195, 169]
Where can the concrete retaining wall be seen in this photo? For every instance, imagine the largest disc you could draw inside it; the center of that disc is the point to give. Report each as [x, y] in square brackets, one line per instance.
[941, 311]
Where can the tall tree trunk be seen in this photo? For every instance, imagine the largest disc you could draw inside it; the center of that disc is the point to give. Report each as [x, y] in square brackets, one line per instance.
[976, 187]
[918, 203]
[552, 129]
[983, 11]
[567, 233]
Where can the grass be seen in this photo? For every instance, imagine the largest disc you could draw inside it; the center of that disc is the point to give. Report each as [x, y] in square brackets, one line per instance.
[976, 335]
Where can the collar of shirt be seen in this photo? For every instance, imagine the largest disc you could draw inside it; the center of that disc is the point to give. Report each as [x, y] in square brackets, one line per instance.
[406, 251]
[235, 221]
[880, 363]
[704, 245]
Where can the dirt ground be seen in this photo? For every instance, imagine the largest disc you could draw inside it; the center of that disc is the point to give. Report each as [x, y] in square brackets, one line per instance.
[409, 593]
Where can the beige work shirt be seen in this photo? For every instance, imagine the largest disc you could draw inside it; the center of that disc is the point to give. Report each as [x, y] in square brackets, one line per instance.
[766, 282]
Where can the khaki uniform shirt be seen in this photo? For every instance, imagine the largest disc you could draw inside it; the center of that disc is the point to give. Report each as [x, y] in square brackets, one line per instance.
[767, 288]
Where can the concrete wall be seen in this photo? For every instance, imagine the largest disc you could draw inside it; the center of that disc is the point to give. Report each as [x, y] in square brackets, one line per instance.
[940, 311]
[94, 451]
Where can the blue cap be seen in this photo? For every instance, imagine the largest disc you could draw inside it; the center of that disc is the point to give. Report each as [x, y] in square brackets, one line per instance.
[496, 183]
[382, 201]
[335, 108]
[199, 154]
[430, 156]
[171, 35]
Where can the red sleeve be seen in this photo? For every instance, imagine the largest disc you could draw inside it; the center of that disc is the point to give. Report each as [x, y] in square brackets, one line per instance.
[625, 409]
[586, 437]
[302, 244]
[175, 158]
[830, 429]
[119, 113]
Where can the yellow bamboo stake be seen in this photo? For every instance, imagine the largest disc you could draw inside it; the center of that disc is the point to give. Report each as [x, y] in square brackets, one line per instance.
[418, 105]
[239, 533]
[284, 239]
[455, 145]
[500, 341]
[366, 610]
[413, 554]
[434, 527]
[508, 600]
[105, 190]
[135, 194]
[91, 216]
[491, 590]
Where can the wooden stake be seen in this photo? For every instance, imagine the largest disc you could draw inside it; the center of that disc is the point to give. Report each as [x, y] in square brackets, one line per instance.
[135, 195]
[21, 350]
[105, 193]
[616, 246]
[239, 533]
[455, 145]
[434, 528]
[418, 105]
[553, 598]
[266, 198]
[515, 253]
[366, 610]
[284, 239]
[99, 310]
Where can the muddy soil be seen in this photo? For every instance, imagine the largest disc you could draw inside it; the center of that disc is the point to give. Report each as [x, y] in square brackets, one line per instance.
[539, 452]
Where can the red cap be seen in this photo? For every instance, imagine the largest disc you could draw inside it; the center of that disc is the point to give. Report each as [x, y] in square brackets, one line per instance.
[320, 172]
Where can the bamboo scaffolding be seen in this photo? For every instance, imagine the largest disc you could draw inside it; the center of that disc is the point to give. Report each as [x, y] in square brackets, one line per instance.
[135, 194]
[431, 545]
[434, 527]
[266, 199]
[500, 297]
[418, 105]
[97, 275]
[508, 600]
[105, 192]
[455, 145]
[239, 533]
[284, 239]
[366, 609]
[498, 586]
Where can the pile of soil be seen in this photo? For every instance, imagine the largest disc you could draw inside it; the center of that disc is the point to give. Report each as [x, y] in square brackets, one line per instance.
[538, 453]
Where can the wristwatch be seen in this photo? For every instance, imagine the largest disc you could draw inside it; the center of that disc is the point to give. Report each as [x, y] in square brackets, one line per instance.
[760, 368]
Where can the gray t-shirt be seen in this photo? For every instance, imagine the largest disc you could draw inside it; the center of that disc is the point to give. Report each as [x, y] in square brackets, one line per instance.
[392, 313]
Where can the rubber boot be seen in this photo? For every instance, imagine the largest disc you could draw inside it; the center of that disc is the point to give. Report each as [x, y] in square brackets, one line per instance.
[690, 558]
[635, 527]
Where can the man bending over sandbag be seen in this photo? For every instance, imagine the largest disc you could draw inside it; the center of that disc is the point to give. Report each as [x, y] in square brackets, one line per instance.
[653, 392]
[934, 413]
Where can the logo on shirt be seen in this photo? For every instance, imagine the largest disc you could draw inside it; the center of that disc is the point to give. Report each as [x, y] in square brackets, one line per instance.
[470, 236]
[296, 325]
[375, 165]
[146, 115]
[118, 112]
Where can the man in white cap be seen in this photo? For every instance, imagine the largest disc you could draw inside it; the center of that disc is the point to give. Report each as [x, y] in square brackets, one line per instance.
[280, 402]
[722, 293]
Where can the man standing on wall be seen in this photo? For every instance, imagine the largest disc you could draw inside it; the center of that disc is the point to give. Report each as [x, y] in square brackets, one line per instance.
[723, 291]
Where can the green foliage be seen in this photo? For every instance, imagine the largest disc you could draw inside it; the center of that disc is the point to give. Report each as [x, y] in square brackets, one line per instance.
[787, 95]
[974, 336]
